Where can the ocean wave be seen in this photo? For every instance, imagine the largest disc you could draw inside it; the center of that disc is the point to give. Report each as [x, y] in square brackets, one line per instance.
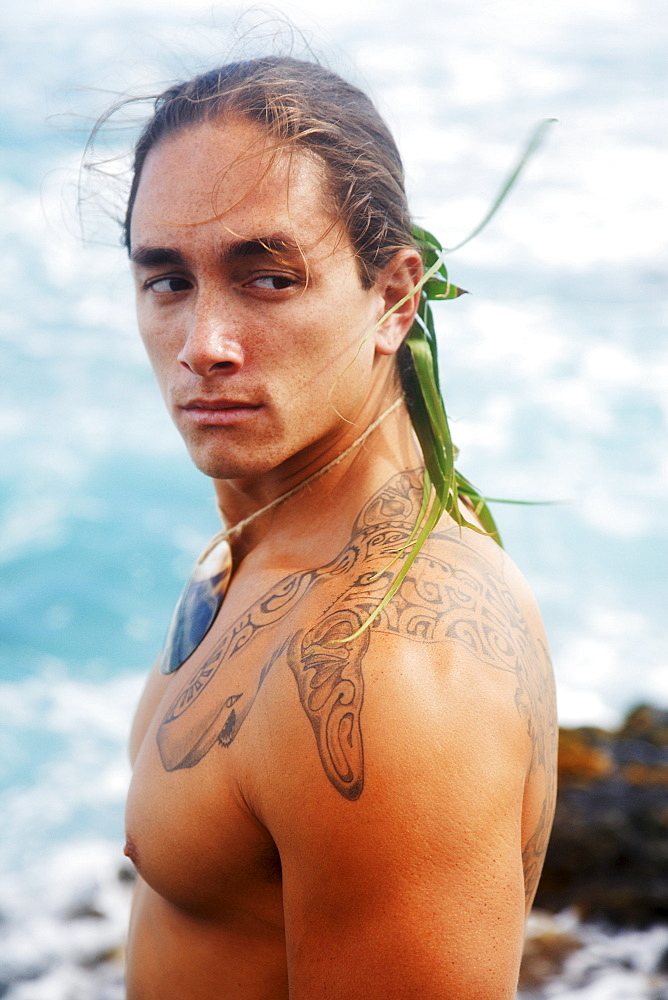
[63, 925]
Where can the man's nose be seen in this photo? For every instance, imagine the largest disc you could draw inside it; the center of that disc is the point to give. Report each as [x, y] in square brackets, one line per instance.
[211, 345]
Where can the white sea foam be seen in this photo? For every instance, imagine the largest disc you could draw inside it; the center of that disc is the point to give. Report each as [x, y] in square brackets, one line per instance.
[64, 925]
[68, 739]
[605, 966]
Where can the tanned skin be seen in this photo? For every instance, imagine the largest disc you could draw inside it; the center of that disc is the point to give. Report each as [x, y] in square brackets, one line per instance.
[314, 818]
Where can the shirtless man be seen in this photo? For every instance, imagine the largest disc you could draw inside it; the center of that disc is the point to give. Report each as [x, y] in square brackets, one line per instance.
[314, 818]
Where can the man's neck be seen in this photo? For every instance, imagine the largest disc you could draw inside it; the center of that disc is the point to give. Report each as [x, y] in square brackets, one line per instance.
[319, 492]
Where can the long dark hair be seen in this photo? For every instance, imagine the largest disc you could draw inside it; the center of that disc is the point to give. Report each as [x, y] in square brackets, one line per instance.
[304, 105]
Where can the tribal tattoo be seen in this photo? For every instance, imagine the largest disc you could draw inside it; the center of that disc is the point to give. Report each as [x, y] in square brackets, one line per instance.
[440, 600]
[329, 678]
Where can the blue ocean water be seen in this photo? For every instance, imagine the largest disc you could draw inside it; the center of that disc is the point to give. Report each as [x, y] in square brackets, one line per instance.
[555, 367]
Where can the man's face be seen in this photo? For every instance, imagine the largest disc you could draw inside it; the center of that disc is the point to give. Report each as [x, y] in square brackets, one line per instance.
[249, 301]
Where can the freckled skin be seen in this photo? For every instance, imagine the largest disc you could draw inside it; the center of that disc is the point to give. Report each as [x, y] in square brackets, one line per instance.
[313, 817]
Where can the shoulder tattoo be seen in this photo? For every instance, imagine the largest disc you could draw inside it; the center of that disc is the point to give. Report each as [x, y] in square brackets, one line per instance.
[441, 600]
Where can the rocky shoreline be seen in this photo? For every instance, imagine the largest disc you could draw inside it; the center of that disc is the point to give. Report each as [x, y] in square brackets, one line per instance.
[608, 854]
[606, 870]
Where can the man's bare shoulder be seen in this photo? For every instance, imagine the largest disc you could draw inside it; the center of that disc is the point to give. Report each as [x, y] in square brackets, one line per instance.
[451, 682]
[462, 599]
[462, 602]
[419, 815]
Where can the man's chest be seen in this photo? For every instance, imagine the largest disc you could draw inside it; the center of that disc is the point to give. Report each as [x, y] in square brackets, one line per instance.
[270, 684]
[190, 831]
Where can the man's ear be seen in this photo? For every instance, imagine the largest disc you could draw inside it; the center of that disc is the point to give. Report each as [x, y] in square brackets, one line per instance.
[397, 281]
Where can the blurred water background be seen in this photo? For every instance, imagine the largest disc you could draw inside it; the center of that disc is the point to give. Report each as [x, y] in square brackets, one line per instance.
[555, 372]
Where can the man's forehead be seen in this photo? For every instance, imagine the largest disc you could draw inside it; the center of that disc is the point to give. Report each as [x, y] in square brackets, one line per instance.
[232, 173]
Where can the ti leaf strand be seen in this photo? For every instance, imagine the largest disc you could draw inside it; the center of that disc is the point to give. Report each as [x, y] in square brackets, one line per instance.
[445, 489]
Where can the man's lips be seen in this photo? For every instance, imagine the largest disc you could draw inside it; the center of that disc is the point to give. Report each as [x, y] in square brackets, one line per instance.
[218, 412]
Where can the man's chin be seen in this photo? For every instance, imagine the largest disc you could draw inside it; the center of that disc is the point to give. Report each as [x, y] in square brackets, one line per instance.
[229, 467]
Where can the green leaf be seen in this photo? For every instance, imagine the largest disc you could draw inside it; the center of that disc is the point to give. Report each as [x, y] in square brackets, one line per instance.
[531, 147]
[444, 486]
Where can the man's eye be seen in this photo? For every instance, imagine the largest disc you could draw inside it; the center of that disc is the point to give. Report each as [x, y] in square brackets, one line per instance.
[173, 284]
[275, 282]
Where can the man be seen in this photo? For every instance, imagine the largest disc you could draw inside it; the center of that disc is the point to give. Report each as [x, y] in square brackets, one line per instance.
[327, 801]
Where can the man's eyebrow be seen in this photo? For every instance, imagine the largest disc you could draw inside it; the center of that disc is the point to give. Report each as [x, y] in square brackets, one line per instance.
[277, 245]
[157, 257]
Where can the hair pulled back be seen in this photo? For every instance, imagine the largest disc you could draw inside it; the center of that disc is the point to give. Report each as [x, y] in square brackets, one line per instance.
[304, 105]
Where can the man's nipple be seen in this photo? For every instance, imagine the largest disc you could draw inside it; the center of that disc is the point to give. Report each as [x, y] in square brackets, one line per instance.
[131, 852]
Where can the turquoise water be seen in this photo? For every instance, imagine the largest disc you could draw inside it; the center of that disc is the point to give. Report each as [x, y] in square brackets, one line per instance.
[555, 368]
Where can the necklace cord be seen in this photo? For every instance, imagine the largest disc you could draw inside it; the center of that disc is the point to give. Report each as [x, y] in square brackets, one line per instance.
[227, 533]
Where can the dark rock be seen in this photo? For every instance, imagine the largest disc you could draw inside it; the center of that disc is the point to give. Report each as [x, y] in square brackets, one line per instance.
[127, 873]
[83, 911]
[584, 756]
[11, 976]
[544, 957]
[608, 855]
[648, 724]
[92, 961]
[662, 964]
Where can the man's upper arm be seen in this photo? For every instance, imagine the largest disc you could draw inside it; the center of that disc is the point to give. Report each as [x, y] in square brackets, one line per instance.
[414, 887]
